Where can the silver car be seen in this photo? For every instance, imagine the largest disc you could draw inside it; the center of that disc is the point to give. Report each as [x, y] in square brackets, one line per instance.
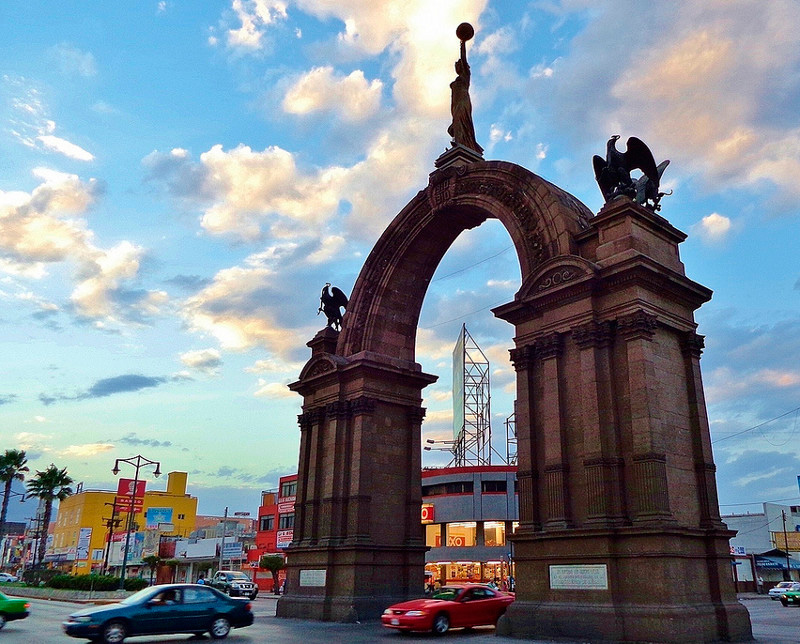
[777, 592]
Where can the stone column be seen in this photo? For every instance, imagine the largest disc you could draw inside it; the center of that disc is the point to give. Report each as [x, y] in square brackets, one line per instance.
[523, 359]
[602, 451]
[650, 494]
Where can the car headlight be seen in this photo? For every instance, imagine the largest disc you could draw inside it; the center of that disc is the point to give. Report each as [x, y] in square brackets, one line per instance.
[388, 611]
[82, 619]
[415, 613]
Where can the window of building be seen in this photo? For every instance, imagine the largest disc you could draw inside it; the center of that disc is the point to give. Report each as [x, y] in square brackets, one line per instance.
[457, 487]
[433, 535]
[494, 533]
[97, 554]
[286, 521]
[461, 534]
[267, 523]
[289, 489]
[493, 486]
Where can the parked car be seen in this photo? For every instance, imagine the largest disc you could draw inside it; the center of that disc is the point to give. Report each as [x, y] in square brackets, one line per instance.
[11, 609]
[234, 583]
[449, 607]
[791, 597]
[777, 592]
[161, 610]
[7, 577]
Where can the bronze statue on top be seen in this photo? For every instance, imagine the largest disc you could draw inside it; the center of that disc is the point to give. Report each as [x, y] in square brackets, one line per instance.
[614, 173]
[331, 301]
[462, 129]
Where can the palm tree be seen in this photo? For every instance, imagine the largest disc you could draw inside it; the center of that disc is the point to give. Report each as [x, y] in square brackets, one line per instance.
[12, 468]
[49, 485]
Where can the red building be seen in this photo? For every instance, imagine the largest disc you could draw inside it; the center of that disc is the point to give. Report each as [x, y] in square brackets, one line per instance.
[275, 528]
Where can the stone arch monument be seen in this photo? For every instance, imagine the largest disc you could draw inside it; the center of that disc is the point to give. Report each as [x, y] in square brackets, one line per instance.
[620, 536]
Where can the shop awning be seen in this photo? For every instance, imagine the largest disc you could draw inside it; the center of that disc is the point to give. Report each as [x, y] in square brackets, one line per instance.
[773, 562]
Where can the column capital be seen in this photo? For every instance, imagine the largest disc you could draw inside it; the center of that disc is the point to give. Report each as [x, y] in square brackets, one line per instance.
[592, 334]
[549, 346]
[638, 325]
[692, 344]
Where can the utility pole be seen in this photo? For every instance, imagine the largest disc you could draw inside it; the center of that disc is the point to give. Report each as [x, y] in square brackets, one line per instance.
[788, 576]
[222, 545]
[111, 523]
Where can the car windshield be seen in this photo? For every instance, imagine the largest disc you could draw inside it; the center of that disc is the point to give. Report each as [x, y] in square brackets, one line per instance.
[139, 597]
[238, 575]
[784, 584]
[447, 592]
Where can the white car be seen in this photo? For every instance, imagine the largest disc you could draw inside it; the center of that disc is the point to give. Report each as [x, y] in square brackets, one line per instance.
[777, 592]
[4, 576]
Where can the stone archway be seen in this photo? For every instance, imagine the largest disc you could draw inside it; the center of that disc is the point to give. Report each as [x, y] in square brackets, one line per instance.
[616, 479]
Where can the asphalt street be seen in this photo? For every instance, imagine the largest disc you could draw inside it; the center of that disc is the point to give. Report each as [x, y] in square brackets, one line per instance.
[772, 624]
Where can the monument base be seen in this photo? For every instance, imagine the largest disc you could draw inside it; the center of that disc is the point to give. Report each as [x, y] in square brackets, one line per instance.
[647, 583]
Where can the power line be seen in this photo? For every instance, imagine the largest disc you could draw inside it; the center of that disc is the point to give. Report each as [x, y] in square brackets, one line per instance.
[466, 268]
[463, 315]
[744, 431]
[728, 505]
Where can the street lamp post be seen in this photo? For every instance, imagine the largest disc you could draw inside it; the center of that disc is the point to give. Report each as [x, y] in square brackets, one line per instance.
[222, 545]
[137, 462]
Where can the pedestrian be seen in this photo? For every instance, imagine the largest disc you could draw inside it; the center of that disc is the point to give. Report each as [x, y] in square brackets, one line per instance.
[200, 580]
[760, 585]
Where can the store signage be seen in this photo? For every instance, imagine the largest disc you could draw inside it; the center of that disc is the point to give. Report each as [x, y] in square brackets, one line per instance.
[287, 499]
[241, 514]
[579, 577]
[232, 550]
[155, 516]
[455, 541]
[84, 537]
[738, 550]
[125, 488]
[127, 504]
[284, 538]
[427, 513]
[286, 508]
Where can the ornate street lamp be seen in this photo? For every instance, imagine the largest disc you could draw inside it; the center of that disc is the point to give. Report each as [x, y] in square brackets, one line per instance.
[137, 462]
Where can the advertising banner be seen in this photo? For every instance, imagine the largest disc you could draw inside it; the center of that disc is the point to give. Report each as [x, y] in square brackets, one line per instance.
[118, 548]
[154, 516]
[84, 537]
[232, 550]
[150, 543]
[427, 513]
[127, 504]
[286, 508]
[125, 488]
[284, 538]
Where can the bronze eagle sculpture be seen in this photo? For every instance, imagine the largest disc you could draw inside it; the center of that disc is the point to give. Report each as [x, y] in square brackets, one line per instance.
[331, 301]
[613, 173]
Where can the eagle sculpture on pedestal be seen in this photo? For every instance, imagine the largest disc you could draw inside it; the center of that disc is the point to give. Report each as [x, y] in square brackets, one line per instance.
[331, 301]
[613, 173]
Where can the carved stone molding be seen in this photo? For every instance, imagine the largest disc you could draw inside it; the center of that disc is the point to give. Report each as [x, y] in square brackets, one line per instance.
[522, 357]
[692, 344]
[310, 417]
[338, 409]
[361, 405]
[592, 334]
[556, 278]
[549, 346]
[637, 326]
[416, 414]
[322, 366]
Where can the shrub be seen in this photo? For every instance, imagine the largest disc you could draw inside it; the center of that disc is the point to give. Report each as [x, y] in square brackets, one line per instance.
[84, 582]
[136, 583]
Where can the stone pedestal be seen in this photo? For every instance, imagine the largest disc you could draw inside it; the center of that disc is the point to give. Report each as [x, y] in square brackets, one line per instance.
[620, 537]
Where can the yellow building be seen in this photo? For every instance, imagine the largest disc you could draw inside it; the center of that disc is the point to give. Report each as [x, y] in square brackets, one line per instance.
[82, 524]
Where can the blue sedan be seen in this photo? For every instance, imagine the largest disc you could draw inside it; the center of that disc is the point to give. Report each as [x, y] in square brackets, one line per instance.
[162, 610]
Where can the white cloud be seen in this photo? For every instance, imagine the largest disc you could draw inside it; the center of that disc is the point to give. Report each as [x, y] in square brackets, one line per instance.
[62, 146]
[273, 390]
[254, 16]
[72, 60]
[713, 227]
[321, 89]
[86, 450]
[204, 360]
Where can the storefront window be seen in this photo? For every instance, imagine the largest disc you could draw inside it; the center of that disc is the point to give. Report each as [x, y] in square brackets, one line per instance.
[461, 534]
[433, 535]
[494, 533]
[463, 571]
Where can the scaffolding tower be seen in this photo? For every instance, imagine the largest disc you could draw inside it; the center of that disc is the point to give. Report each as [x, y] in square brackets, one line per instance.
[472, 428]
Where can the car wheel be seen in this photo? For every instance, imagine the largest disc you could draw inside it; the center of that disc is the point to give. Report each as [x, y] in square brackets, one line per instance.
[220, 628]
[253, 596]
[441, 624]
[784, 602]
[114, 632]
[2, 621]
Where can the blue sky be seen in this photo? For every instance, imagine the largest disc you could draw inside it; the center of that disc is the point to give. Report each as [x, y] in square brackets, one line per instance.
[179, 179]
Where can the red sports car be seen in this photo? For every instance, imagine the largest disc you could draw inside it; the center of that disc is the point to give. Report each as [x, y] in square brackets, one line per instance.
[450, 607]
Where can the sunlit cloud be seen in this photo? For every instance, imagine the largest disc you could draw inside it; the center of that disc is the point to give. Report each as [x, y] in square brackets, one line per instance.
[322, 89]
[86, 450]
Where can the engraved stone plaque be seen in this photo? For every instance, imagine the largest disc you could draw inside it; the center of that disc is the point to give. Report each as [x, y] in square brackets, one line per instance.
[314, 578]
[579, 577]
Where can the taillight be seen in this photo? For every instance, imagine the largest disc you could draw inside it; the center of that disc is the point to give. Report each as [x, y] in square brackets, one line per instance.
[248, 606]
[27, 605]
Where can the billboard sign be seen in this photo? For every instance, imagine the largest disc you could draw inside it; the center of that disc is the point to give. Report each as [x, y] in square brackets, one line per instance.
[154, 516]
[232, 550]
[126, 488]
[84, 537]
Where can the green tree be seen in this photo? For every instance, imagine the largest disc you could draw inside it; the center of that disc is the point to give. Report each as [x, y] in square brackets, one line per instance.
[49, 485]
[151, 561]
[12, 468]
[273, 563]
